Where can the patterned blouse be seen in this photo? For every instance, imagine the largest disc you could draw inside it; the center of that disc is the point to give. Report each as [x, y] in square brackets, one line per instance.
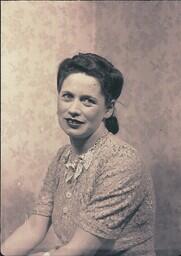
[106, 192]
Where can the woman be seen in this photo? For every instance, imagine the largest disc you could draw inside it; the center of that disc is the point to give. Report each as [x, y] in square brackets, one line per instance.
[96, 193]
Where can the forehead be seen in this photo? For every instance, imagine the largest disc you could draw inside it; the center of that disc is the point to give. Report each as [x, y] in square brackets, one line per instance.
[82, 83]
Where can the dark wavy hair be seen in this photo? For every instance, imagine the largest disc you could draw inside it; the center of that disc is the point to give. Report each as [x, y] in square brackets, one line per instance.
[110, 79]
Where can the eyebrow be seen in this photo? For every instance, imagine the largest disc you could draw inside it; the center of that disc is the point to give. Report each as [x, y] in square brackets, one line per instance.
[88, 96]
[66, 92]
[82, 96]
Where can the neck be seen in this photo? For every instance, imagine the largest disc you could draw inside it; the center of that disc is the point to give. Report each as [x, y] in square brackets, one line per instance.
[82, 145]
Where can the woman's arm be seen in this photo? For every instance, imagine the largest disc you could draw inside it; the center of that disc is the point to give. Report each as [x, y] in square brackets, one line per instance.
[82, 244]
[27, 236]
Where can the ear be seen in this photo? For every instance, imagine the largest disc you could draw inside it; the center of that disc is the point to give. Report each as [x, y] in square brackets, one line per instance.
[109, 110]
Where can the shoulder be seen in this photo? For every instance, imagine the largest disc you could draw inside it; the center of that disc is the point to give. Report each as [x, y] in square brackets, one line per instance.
[117, 151]
[118, 160]
[58, 155]
[61, 151]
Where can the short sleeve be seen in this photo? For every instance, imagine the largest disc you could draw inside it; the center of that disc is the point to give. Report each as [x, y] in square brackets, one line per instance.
[116, 195]
[44, 202]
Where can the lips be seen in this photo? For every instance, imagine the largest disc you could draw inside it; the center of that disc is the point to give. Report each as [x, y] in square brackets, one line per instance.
[73, 123]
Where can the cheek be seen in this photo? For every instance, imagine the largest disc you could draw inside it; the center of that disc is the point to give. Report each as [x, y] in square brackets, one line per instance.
[94, 115]
[62, 107]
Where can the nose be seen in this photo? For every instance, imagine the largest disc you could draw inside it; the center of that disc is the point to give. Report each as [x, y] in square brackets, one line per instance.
[74, 109]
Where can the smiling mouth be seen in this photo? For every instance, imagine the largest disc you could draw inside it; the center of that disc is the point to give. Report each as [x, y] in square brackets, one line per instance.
[73, 122]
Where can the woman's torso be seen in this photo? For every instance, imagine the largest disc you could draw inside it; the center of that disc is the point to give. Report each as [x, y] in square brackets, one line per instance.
[135, 234]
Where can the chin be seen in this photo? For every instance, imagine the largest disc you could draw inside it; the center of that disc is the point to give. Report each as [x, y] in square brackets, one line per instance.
[78, 135]
[83, 133]
[75, 134]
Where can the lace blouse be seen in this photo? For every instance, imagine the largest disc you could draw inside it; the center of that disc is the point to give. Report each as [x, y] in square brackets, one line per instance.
[106, 192]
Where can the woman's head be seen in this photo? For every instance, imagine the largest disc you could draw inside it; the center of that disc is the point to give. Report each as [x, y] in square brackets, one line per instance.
[109, 78]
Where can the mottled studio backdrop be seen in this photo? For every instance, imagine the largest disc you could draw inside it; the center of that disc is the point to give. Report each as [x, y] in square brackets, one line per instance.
[141, 38]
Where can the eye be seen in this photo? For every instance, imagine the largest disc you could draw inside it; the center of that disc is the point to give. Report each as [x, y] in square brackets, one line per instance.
[87, 101]
[67, 96]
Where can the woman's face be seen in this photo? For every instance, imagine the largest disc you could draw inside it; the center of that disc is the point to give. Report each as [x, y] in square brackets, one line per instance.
[81, 105]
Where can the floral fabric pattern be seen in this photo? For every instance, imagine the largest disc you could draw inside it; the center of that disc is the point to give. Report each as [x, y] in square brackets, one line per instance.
[111, 198]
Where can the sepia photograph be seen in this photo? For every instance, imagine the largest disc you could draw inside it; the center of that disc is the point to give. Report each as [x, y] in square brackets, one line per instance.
[91, 128]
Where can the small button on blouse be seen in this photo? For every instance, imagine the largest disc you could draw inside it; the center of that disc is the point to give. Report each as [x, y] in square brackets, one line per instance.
[65, 210]
[68, 194]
